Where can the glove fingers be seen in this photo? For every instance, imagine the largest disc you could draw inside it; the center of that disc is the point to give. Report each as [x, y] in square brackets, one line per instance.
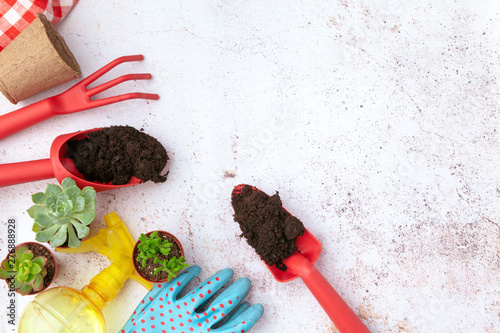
[227, 301]
[159, 292]
[243, 320]
[207, 289]
[243, 306]
[176, 285]
[159, 287]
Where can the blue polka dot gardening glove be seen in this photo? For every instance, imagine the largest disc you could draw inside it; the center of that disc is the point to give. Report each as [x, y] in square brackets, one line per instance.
[161, 311]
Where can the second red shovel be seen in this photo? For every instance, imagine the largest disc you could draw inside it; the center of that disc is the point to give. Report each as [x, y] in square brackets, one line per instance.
[301, 264]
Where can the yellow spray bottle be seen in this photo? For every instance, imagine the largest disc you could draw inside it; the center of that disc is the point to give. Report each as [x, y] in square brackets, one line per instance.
[64, 309]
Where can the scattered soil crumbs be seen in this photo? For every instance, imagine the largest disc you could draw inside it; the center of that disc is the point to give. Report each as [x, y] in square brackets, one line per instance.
[266, 225]
[115, 154]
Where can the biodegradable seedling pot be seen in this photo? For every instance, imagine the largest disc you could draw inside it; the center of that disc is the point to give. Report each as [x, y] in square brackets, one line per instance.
[52, 266]
[148, 272]
[36, 60]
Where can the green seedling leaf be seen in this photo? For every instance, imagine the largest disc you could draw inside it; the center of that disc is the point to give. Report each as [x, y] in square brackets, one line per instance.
[158, 270]
[38, 198]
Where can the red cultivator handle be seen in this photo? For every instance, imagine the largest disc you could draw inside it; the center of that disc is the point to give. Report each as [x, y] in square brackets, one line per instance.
[76, 98]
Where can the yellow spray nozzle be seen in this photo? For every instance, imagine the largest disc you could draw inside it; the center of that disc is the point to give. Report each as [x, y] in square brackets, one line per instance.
[114, 242]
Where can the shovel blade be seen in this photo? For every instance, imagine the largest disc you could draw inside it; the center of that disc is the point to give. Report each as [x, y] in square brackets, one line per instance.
[65, 167]
[307, 246]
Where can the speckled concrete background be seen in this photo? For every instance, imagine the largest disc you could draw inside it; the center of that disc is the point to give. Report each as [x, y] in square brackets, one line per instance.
[377, 121]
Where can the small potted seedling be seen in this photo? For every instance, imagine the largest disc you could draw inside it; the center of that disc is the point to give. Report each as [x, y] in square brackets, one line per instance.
[62, 215]
[158, 256]
[29, 268]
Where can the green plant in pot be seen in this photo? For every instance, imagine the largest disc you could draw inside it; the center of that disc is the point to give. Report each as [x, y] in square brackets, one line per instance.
[26, 271]
[158, 256]
[62, 214]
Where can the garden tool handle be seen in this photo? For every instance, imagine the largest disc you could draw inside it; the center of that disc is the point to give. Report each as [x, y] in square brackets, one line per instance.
[24, 172]
[337, 309]
[25, 117]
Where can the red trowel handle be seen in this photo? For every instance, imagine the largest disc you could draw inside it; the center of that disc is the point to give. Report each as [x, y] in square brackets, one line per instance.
[30, 115]
[339, 312]
[24, 172]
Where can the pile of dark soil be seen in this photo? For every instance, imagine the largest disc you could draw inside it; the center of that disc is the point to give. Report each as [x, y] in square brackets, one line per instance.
[266, 225]
[115, 154]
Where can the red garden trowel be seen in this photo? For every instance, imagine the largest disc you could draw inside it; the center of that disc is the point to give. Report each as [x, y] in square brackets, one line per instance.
[301, 264]
[58, 166]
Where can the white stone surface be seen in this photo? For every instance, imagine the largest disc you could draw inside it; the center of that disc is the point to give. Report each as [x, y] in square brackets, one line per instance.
[377, 121]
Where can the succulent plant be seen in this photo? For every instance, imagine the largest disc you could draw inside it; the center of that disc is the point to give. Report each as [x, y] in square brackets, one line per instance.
[59, 212]
[27, 272]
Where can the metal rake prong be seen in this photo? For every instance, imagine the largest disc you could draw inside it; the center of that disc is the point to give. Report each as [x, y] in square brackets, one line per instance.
[118, 80]
[124, 97]
[110, 66]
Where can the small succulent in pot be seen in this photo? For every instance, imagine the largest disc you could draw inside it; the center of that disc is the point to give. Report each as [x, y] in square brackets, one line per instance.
[28, 272]
[62, 215]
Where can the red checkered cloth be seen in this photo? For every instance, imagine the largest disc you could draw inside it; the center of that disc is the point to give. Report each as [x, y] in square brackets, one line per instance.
[17, 14]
